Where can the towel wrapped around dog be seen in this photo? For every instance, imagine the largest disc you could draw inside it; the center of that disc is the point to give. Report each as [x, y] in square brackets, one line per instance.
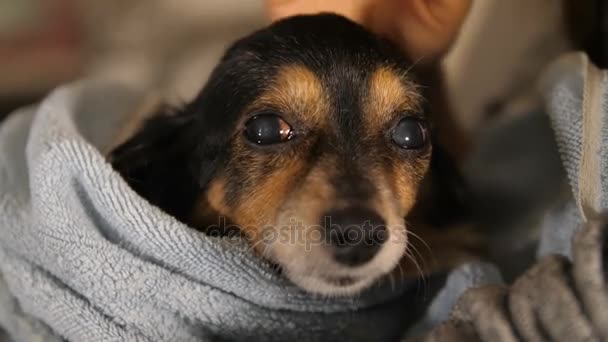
[564, 296]
[84, 258]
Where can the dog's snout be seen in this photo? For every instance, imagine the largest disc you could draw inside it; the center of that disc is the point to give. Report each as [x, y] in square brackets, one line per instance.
[354, 234]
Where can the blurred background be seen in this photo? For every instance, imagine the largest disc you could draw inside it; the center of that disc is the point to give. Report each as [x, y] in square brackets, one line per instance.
[163, 44]
[170, 47]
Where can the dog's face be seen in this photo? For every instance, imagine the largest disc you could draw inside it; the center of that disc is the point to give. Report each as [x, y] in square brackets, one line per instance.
[313, 141]
[310, 137]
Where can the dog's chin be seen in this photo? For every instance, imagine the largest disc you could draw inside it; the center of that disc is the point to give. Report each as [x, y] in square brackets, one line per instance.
[322, 276]
[310, 265]
[332, 286]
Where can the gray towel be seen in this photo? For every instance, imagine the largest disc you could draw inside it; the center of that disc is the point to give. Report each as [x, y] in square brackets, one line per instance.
[564, 295]
[576, 96]
[83, 258]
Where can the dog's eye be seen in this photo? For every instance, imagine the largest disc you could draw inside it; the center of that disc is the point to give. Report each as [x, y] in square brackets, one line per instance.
[410, 133]
[266, 129]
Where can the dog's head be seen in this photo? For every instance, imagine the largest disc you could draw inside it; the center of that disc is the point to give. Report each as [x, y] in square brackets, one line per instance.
[311, 137]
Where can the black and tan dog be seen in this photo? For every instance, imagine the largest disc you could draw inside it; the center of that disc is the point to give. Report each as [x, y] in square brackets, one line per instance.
[316, 127]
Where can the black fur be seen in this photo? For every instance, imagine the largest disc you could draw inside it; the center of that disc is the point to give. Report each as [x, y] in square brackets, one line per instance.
[157, 163]
[173, 158]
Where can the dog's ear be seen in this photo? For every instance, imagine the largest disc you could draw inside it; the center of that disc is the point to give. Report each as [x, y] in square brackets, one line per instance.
[172, 159]
[155, 162]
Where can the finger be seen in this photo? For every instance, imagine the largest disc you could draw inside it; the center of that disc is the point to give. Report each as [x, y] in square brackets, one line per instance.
[483, 308]
[589, 270]
[544, 305]
[429, 27]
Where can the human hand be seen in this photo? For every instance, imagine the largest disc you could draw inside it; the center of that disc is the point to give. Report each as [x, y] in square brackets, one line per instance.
[424, 29]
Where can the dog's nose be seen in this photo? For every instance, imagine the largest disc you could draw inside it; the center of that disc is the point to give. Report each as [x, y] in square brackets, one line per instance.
[355, 234]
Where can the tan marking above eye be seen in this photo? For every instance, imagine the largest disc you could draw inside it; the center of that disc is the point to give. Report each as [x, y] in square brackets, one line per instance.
[388, 93]
[295, 90]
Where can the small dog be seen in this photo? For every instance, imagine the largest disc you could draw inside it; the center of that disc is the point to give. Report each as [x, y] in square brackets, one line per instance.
[314, 131]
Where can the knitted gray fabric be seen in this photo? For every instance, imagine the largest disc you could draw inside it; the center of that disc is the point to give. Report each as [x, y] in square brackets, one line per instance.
[564, 296]
[576, 97]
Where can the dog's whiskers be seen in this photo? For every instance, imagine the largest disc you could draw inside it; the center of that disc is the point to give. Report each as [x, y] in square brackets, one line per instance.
[409, 253]
[407, 71]
[413, 234]
[391, 280]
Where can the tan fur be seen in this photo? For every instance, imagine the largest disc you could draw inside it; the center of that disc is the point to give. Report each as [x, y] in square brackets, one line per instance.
[260, 208]
[389, 94]
[215, 196]
[405, 182]
[305, 207]
[295, 91]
